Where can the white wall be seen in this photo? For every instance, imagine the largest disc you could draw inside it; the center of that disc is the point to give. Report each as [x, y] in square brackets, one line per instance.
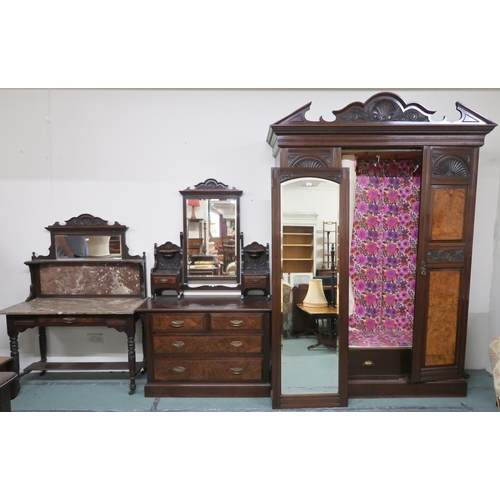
[123, 155]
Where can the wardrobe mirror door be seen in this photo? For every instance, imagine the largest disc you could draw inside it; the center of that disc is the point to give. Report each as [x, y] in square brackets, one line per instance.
[309, 260]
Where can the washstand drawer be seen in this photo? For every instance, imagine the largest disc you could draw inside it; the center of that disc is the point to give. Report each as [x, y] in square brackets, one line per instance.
[207, 344]
[217, 370]
[195, 322]
[68, 319]
[379, 362]
[237, 321]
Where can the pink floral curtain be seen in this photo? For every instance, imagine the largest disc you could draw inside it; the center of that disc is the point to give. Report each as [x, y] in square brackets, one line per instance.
[383, 253]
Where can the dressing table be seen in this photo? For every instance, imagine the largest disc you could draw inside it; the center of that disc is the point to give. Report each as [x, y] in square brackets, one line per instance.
[102, 288]
[211, 340]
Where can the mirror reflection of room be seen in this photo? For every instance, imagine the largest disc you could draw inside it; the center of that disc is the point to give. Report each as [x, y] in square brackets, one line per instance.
[310, 223]
[211, 243]
[69, 246]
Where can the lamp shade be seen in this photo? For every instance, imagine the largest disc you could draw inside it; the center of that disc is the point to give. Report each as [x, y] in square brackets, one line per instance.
[315, 296]
[99, 246]
[193, 204]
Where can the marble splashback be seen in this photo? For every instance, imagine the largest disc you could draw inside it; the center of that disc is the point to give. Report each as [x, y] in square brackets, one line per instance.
[105, 279]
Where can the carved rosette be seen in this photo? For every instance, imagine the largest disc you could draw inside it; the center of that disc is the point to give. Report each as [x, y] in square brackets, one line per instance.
[450, 166]
[456, 255]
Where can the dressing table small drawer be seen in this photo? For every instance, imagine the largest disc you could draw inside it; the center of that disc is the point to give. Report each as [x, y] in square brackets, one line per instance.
[213, 344]
[162, 280]
[216, 370]
[255, 281]
[236, 321]
[195, 322]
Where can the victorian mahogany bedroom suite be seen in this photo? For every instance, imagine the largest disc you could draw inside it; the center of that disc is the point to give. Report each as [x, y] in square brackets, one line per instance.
[362, 291]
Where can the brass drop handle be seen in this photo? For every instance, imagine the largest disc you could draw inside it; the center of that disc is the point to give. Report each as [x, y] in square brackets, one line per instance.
[164, 280]
[368, 363]
[423, 269]
[255, 280]
[178, 344]
[177, 324]
[236, 322]
[236, 371]
[236, 343]
[178, 369]
[68, 321]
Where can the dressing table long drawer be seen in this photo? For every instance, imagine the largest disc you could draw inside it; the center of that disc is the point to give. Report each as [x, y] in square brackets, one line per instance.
[209, 370]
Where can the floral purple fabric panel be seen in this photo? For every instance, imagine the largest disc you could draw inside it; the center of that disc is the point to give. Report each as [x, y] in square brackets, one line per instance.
[383, 260]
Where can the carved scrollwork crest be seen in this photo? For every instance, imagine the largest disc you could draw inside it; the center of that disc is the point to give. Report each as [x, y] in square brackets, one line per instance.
[85, 220]
[383, 107]
[211, 184]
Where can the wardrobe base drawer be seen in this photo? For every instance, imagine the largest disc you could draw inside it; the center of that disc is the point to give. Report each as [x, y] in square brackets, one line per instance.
[369, 363]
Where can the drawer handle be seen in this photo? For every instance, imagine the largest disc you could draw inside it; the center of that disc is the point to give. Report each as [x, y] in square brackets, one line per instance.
[236, 371]
[236, 343]
[177, 324]
[178, 369]
[164, 280]
[255, 280]
[68, 321]
[178, 344]
[368, 363]
[236, 322]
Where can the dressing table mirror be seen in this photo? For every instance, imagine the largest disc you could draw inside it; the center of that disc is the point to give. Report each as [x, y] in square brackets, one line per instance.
[212, 237]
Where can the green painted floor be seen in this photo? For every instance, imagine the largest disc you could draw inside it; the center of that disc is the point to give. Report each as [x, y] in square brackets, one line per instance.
[108, 392]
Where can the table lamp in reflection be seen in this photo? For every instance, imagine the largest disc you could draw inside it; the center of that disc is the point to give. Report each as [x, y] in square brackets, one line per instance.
[315, 296]
[193, 204]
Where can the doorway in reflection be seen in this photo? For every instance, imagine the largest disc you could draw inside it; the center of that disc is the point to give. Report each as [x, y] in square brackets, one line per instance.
[309, 260]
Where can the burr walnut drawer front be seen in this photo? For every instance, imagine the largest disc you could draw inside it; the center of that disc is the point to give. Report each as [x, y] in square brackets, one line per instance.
[208, 344]
[236, 321]
[208, 370]
[195, 322]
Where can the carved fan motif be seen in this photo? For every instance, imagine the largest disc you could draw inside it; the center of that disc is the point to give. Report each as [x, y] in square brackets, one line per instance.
[451, 165]
[308, 163]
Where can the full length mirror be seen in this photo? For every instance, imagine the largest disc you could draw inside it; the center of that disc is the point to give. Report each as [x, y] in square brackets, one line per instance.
[309, 259]
[210, 238]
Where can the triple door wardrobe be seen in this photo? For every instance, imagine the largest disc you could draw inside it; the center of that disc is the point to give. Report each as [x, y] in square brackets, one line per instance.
[411, 204]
